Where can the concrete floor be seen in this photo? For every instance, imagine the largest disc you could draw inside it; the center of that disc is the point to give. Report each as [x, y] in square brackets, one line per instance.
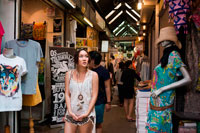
[114, 122]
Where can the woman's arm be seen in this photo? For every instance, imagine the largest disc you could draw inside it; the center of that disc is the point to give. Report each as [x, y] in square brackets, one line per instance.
[186, 79]
[67, 96]
[95, 87]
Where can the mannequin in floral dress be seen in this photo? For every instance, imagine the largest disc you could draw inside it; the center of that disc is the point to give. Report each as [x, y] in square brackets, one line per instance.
[165, 80]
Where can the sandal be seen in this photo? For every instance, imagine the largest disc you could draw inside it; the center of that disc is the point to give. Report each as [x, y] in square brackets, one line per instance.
[131, 120]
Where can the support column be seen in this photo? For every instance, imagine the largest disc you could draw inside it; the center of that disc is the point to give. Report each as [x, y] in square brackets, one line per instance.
[157, 28]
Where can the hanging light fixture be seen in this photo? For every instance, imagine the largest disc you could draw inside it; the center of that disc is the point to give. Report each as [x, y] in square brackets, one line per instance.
[144, 27]
[71, 3]
[138, 23]
[115, 17]
[139, 5]
[131, 15]
[86, 20]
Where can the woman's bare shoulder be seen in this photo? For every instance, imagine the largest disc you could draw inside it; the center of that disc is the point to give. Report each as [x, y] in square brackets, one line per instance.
[94, 74]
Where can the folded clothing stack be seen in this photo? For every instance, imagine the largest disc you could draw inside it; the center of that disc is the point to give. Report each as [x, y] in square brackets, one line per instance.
[141, 110]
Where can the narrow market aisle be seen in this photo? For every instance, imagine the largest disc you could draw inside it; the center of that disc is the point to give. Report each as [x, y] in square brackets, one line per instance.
[115, 120]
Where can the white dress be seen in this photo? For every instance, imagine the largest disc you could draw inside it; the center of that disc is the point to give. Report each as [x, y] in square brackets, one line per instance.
[80, 106]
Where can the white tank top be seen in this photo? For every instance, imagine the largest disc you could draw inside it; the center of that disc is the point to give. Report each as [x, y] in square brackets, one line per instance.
[85, 89]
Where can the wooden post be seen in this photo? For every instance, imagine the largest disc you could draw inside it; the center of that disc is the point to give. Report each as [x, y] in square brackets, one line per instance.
[7, 126]
[31, 123]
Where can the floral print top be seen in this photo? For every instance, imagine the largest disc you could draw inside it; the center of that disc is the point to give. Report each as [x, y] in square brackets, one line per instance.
[161, 120]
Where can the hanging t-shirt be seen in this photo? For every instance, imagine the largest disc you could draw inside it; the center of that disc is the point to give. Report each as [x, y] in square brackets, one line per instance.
[31, 52]
[11, 70]
[73, 27]
[1, 34]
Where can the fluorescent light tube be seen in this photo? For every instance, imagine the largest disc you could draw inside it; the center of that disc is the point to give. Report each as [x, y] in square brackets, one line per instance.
[120, 31]
[135, 13]
[139, 6]
[127, 6]
[109, 14]
[131, 15]
[71, 4]
[118, 6]
[116, 17]
[119, 26]
[86, 20]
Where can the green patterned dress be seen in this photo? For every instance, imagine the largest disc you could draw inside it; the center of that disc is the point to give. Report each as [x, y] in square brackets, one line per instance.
[161, 121]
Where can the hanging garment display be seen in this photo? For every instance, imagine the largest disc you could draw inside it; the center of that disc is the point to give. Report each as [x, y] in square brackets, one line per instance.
[1, 34]
[27, 31]
[196, 19]
[41, 78]
[178, 10]
[32, 100]
[193, 54]
[39, 31]
[11, 70]
[73, 27]
[31, 52]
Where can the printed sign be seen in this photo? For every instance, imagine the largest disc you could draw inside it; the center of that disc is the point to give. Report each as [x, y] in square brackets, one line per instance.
[61, 61]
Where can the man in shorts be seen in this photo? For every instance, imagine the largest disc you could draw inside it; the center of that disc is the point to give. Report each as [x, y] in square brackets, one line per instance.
[104, 93]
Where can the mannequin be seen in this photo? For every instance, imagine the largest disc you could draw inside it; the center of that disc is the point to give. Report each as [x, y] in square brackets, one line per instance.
[8, 52]
[186, 78]
[165, 80]
[12, 68]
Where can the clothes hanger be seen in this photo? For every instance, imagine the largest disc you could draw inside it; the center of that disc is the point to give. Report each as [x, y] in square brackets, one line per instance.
[22, 39]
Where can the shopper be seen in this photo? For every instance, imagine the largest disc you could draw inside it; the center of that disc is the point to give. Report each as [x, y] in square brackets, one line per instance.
[81, 90]
[165, 80]
[120, 83]
[128, 79]
[104, 94]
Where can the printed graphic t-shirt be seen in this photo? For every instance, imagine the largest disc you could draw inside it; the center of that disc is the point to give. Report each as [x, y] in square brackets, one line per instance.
[11, 70]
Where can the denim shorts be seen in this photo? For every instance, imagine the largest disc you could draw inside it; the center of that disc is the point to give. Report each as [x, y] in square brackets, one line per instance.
[99, 113]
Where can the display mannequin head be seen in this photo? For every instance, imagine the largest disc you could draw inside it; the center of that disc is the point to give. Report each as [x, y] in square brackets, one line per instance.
[8, 52]
[166, 43]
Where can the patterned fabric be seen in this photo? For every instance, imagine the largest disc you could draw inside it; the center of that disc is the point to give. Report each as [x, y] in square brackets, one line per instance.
[84, 121]
[39, 31]
[196, 19]
[27, 31]
[178, 10]
[161, 121]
